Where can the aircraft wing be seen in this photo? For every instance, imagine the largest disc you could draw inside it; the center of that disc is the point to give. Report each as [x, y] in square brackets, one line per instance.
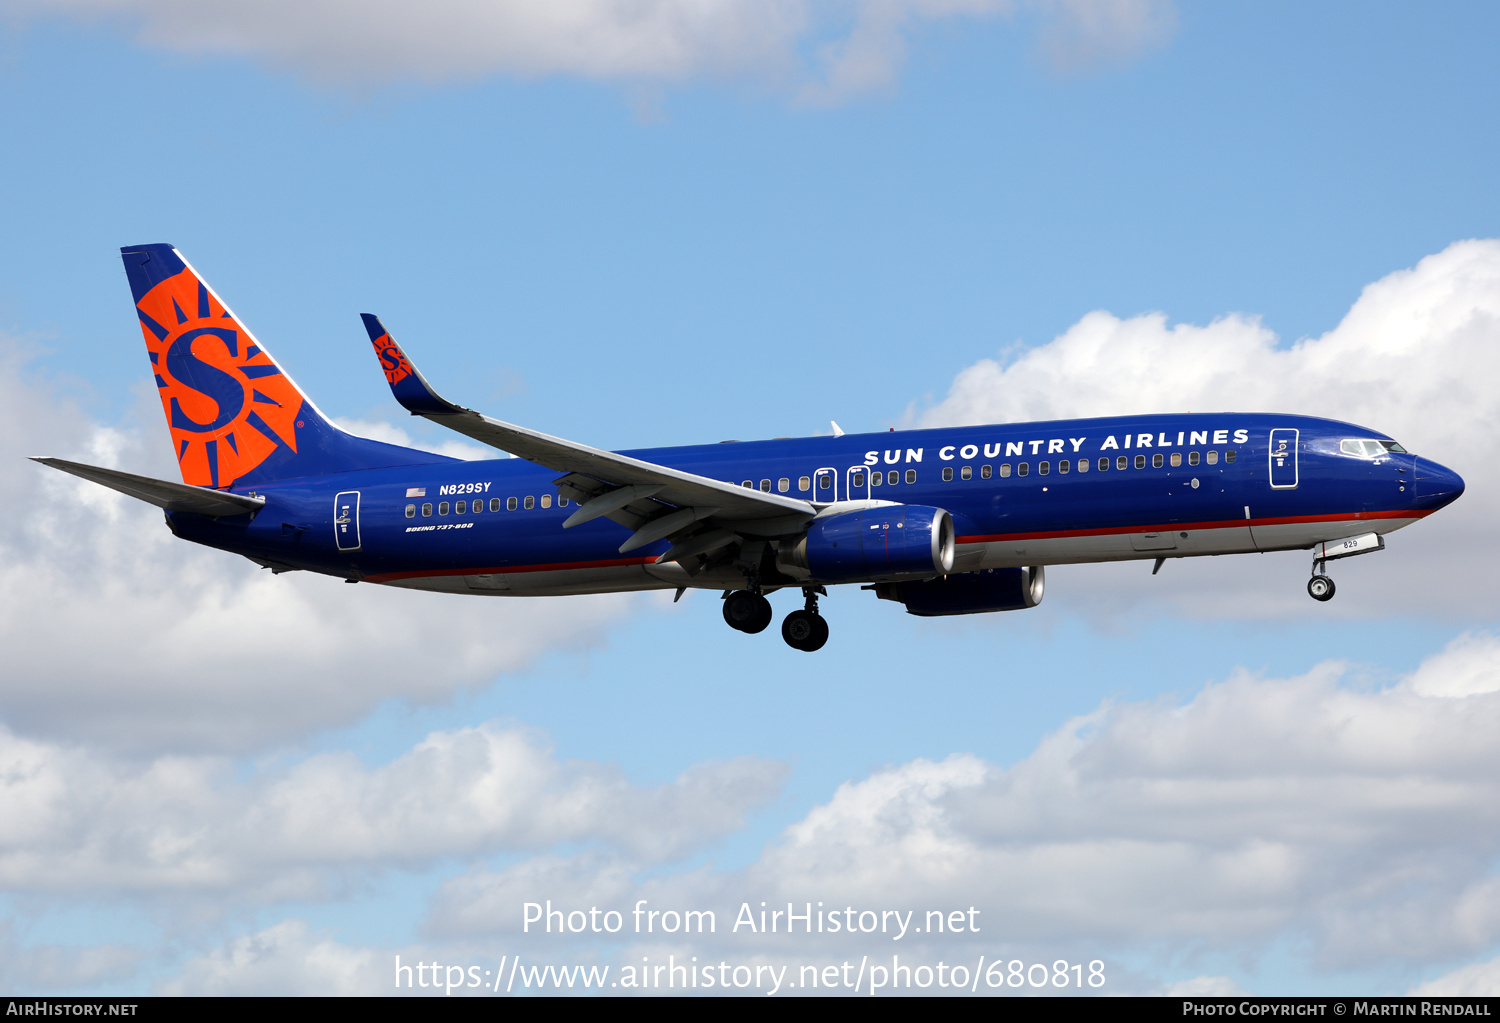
[174, 497]
[591, 473]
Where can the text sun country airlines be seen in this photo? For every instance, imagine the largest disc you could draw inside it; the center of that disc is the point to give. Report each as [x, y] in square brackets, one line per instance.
[946, 522]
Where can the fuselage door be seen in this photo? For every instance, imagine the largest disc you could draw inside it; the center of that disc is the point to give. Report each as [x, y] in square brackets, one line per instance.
[857, 485]
[1283, 459]
[826, 485]
[346, 520]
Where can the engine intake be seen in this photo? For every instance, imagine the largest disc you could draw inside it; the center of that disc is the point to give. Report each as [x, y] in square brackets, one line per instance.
[886, 542]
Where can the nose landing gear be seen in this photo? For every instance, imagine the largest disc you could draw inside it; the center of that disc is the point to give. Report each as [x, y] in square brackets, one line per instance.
[806, 629]
[1320, 587]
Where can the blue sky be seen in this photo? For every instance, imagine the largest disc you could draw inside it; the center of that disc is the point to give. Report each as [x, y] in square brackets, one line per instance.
[728, 246]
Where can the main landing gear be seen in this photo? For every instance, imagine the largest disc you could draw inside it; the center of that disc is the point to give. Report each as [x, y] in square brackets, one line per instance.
[747, 611]
[804, 629]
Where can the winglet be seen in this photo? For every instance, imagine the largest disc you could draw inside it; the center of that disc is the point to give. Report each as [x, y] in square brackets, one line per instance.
[408, 385]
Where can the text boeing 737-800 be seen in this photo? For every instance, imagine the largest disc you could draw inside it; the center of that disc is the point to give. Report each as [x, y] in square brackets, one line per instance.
[950, 521]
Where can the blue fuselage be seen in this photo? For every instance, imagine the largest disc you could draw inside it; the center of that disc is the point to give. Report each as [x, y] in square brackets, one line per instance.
[1019, 494]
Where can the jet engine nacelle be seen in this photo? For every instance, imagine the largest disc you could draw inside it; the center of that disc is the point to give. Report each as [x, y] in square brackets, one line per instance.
[885, 542]
[993, 589]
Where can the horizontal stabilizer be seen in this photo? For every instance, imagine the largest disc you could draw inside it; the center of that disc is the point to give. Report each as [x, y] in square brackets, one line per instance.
[174, 497]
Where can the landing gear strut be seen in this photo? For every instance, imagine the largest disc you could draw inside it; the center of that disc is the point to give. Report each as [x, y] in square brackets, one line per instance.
[1320, 586]
[806, 629]
[747, 611]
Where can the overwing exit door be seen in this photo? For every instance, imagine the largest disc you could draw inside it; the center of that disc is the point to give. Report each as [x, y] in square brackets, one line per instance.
[346, 520]
[1283, 459]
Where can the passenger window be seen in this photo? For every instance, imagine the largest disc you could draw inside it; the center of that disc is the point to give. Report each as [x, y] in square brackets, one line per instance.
[947, 474]
[1122, 462]
[1157, 461]
[1044, 468]
[562, 502]
[747, 484]
[1022, 469]
[1005, 470]
[1104, 464]
[478, 505]
[1229, 455]
[857, 479]
[1192, 458]
[824, 481]
[546, 501]
[967, 472]
[495, 503]
[803, 482]
[893, 477]
[765, 486]
[1140, 461]
[1083, 465]
[877, 478]
[411, 511]
[911, 475]
[510, 504]
[426, 510]
[783, 484]
[1213, 457]
[1064, 465]
[1176, 459]
[442, 507]
[461, 507]
[984, 472]
[530, 502]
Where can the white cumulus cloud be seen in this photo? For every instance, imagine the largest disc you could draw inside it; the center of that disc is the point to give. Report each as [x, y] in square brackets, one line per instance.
[1481, 980]
[1363, 823]
[285, 960]
[851, 45]
[73, 821]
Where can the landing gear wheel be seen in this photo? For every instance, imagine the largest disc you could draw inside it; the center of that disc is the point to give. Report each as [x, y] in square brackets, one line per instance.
[804, 630]
[746, 611]
[1320, 587]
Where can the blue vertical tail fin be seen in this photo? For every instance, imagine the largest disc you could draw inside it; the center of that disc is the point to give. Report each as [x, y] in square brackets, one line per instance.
[234, 415]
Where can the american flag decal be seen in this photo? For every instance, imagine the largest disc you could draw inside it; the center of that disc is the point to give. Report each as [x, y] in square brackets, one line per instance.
[416, 491]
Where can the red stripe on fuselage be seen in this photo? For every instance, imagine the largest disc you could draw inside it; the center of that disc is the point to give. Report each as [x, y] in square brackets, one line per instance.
[1061, 534]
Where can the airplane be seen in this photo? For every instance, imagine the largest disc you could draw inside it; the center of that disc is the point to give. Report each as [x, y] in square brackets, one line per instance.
[952, 521]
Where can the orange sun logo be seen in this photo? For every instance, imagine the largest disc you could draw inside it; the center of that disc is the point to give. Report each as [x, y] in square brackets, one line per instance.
[392, 361]
[229, 408]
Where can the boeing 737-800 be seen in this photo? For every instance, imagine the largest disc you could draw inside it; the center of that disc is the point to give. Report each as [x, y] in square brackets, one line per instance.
[945, 522]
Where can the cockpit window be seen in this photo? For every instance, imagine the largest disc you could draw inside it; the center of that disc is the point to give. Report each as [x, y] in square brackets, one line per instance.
[1370, 448]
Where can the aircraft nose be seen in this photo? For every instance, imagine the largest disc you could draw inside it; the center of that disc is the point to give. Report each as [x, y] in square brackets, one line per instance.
[1436, 485]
